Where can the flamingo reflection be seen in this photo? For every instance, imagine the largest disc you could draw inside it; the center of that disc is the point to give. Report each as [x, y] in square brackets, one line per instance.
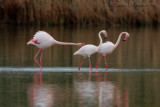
[99, 92]
[40, 95]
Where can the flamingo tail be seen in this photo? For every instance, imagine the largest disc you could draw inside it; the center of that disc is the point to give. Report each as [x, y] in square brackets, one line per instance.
[76, 53]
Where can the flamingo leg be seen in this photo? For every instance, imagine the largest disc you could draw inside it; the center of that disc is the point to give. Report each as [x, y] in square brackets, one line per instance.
[98, 61]
[81, 64]
[106, 62]
[41, 66]
[41, 58]
[90, 64]
[36, 57]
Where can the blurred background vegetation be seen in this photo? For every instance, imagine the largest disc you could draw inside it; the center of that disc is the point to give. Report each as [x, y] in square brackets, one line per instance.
[64, 12]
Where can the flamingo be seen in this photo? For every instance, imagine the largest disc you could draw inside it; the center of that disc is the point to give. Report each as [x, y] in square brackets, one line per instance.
[108, 47]
[89, 49]
[43, 40]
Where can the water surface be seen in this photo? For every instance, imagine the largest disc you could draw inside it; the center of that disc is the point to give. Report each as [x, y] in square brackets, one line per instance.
[121, 89]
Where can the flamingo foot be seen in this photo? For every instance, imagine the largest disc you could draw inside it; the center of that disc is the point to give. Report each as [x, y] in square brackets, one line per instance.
[106, 66]
[79, 70]
[41, 67]
[97, 65]
[91, 68]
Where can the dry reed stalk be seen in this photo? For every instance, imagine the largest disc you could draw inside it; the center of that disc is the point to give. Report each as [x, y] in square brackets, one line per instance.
[79, 12]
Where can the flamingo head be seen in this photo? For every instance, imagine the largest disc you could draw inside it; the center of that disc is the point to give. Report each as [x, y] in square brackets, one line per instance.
[81, 44]
[105, 33]
[126, 37]
[29, 42]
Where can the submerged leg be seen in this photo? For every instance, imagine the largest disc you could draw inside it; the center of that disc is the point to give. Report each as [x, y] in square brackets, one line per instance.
[81, 64]
[98, 61]
[105, 62]
[36, 57]
[90, 64]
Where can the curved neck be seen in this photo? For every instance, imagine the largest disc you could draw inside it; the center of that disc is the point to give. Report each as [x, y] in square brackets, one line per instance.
[119, 38]
[100, 38]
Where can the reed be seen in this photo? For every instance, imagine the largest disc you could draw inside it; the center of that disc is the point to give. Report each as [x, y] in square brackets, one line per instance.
[79, 12]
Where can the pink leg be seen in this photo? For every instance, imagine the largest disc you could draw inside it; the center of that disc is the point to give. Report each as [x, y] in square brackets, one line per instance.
[81, 64]
[90, 64]
[36, 59]
[98, 61]
[105, 62]
[41, 66]
[41, 59]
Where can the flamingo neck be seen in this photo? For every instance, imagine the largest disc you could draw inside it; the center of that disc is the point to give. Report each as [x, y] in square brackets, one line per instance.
[65, 43]
[119, 38]
[100, 38]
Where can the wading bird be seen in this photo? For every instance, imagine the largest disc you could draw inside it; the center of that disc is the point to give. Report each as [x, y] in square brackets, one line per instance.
[108, 47]
[89, 49]
[43, 40]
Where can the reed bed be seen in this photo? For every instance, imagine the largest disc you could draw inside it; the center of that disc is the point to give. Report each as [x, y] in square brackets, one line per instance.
[63, 12]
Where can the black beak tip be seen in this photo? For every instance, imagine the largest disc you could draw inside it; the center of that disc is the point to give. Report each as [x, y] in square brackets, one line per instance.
[105, 38]
[124, 40]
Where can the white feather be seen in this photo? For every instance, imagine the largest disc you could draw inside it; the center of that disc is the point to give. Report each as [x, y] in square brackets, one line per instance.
[86, 51]
[44, 39]
[106, 48]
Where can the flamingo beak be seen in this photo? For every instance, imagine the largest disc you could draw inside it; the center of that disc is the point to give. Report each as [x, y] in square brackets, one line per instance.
[82, 44]
[105, 36]
[29, 42]
[125, 38]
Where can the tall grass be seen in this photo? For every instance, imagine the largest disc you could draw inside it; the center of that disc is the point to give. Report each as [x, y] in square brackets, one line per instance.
[79, 12]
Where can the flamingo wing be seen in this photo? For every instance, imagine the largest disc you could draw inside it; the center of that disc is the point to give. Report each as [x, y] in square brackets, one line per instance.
[42, 37]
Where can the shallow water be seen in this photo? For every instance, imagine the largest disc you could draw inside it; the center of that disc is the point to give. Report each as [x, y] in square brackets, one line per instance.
[120, 89]
[132, 79]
